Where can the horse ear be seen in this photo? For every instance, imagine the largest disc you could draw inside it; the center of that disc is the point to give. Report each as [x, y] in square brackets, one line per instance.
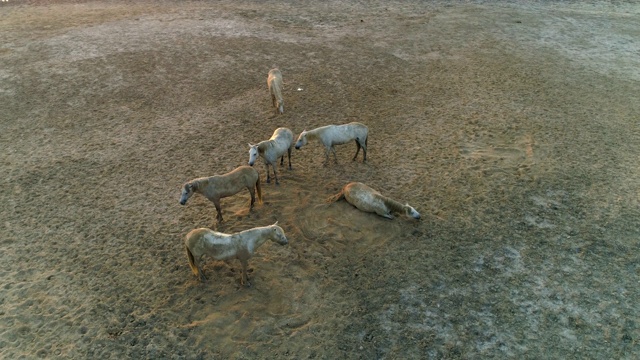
[276, 223]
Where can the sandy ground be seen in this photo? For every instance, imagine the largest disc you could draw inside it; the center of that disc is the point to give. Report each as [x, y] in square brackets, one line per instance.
[513, 128]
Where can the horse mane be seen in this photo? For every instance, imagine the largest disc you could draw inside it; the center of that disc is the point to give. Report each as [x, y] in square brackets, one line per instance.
[394, 206]
[264, 145]
[198, 184]
[313, 133]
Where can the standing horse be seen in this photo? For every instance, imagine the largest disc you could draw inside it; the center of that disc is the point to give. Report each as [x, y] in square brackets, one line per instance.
[331, 135]
[272, 149]
[217, 187]
[369, 200]
[274, 82]
[219, 246]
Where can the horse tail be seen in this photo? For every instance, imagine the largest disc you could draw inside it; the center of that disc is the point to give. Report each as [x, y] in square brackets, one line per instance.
[337, 197]
[259, 190]
[192, 262]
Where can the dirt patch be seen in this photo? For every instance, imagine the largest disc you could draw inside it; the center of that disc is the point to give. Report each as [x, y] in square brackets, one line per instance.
[512, 128]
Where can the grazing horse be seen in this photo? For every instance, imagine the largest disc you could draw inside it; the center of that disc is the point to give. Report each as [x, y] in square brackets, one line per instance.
[274, 81]
[217, 187]
[331, 135]
[219, 246]
[369, 200]
[272, 149]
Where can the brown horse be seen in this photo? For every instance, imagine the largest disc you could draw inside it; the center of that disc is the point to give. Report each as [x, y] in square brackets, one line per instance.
[220, 246]
[217, 187]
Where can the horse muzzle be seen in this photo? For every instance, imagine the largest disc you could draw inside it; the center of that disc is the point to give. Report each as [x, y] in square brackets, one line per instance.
[297, 147]
[182, 202]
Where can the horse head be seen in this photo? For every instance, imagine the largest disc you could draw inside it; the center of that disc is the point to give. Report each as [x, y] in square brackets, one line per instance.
[187, 191]
[278, 235]
[412, 212]
[302, 139]
[253, 154]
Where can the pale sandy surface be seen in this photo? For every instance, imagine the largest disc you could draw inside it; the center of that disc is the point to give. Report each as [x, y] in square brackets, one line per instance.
[512, 128]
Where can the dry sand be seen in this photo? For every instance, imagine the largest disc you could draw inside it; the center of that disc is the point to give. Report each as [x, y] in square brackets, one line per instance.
[513, 128]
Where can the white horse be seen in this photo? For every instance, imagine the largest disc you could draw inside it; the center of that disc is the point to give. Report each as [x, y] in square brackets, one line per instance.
[369, 200]
[270, 150]
[220, 246]
[331, 135]
[274, 82]
[217, 187]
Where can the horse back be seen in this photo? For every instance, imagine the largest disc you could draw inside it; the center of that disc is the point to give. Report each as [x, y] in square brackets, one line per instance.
[342, 134]
[358, 129]
[364, 197]
[274, 80]
[280, 141]
[200, 241]
[274, 74]
[283, 136]
[233, 182]
[219, 246]
[248, 175]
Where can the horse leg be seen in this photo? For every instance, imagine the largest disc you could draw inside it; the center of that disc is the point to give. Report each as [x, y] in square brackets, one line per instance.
[275, 174]
[245, 277]
[289, 153]
[194, 264]
[202, 277]
[252, 191]
[357, 151]
[282, 160]
[335, 157]
[266, 164]
[216, 202]
[364, 150]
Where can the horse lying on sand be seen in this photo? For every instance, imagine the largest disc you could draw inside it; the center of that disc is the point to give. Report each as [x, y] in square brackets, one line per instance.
[369, 200]
[274, 81]
[219, 246]
[331, 135]
[270, 150]
[217, 187]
